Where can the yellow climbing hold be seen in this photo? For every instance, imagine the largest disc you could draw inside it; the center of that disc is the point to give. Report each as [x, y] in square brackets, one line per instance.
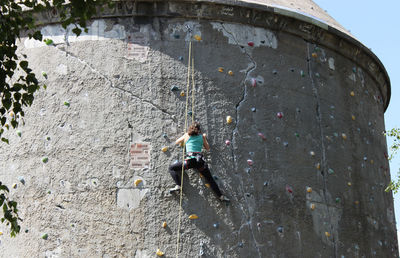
[312, 206]
[164, 224]
[207, 185]
[230, 73]
[164, 149]
[1, 233]
[309, 189]
[159, 253]
[344, 136]
[318, 166]
[349, 183]
[372, 161]
[220, 69]
[353, 117]
[197, 37]
[193, 216]
[182, 93]
[356, 202]
[352, 93]
[14, 186]
[138, 181]
[229, 119]
[327, 234]
[12, 114]
[314, 55]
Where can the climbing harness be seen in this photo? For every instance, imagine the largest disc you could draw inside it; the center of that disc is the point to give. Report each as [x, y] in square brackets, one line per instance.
[190, 75]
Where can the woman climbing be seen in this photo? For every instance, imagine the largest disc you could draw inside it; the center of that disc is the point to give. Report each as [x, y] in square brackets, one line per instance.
[194, 143]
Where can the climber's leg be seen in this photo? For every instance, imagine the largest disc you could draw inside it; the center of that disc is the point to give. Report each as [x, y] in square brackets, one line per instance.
[207, 175]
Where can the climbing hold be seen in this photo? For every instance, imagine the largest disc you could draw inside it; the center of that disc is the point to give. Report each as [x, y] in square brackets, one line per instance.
[248, 170]
[279, 115]
[344, 136]
[177, 36]
[353, 117]
[66, 103]
[180, 58]
[193, 216]
[354, 69]
[291, 69]
[259, 225]
[159, 253]
[229, 119]
[164, 224]
[349, 183]
[312, 153]
[312, 206]
[7, 126]
[253, 109]
[164, 149]
[44, 74]
[297, 135]
[216, 225]
[230, 73]
[314, 55]
[220, 69]
[197, 37]
[48, 138]
[352, 93]
[318, 166]
[356, 202]
[327, 234]
[274, 71]
[337, 199]
[289, 189]
[138, 181]
[365, 158]
[14, 186]
[21, 179]
[48, 41]
[182, 93]
[240, 244]
[262, 136]
[372, 161]
[317, 75]
[164, 135]
[247, 194]
[45, 236]
[1, 233]
[174, 88]
[309, 189]
[190, 113]
[250, 43]
[266, 183]
[45, 159]
[250, 162]
[253, 82]
[228, 142]
[19, 133]
[302, 73]
[330, 171]
[12, 114]
[280, 229]
[335, 134]
[207, 185]
[285, 144]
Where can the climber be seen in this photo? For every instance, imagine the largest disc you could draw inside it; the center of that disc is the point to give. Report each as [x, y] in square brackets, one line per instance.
[194, 143]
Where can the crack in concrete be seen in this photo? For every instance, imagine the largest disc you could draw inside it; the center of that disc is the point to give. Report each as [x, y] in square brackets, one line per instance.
[249, 69]
[67, 53]
[323, 148]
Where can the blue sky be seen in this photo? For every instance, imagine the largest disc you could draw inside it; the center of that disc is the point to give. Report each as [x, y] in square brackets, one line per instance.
[376, 25]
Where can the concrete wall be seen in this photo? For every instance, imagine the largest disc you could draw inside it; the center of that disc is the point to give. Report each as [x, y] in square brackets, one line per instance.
[316, 185]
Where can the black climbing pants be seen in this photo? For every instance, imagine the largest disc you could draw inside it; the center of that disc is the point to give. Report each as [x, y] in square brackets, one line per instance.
[200, 166]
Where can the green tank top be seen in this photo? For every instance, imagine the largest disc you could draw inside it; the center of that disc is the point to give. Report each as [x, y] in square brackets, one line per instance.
[194, 144]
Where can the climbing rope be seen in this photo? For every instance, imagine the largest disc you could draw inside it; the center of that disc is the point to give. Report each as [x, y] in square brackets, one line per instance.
[190, 71]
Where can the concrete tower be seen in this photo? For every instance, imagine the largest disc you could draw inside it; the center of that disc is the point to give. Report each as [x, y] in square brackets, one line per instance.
[305, 169]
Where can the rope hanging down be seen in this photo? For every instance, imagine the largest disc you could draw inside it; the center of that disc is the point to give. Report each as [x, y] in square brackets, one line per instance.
[190, 71]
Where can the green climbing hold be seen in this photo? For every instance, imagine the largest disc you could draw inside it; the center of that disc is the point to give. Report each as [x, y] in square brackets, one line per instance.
[19, 133]
[330, 171]
[45, 159]
[302, 73]
[48, 41]
[190, 113]
[66, 103]
[297, 135]
[337, 200]
[45, 236]
[44, 74]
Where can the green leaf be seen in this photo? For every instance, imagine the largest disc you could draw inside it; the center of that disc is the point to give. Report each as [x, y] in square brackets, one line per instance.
[4, 188]
[4, 140]
[23, 64]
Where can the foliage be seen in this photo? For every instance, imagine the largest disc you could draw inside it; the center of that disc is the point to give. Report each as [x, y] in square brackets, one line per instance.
[18, 83]
[395, 134]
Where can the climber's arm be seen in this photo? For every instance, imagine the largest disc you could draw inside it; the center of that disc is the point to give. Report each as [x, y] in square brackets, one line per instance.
[205, 142]
[182, 139]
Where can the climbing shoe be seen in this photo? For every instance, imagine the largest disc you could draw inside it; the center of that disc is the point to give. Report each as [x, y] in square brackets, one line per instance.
[175, 189]
[223, 198]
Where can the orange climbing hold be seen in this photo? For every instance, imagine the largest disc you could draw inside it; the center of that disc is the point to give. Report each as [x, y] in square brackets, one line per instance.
[344, 136]
[318, 166]
[182, 93]
[312, 206]
[207, 185]
[220, 69]
[314, 55]
[230, 73]
[327, 234]
[309, 189]
[193, 216]
[197, 37]
[353, 117]
[164, 224]
[138, 181]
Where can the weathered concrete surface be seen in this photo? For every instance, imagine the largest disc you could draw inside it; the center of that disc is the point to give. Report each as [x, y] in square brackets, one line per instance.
[316, 185]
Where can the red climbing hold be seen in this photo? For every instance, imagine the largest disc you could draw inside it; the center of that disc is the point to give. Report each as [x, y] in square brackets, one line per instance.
[228, 142]
[250, 162]
[250, 43]
[289, 189]
[253, 82]
[262, 136]
[279, 115]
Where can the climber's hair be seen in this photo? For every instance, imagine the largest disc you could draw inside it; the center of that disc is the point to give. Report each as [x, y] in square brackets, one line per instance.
[194, 129]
